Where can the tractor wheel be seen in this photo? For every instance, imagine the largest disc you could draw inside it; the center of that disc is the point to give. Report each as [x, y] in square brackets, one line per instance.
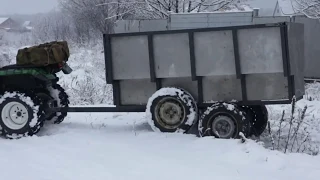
[171, 110]
[225, 121]
[22, 114]
[62, 98]
[259, 119]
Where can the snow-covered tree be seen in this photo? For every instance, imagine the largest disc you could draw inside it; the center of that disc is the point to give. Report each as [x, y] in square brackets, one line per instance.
[102, 14]
[154, 9]
[52, 26]
[310, 8]
[92, 14]
[95, 17]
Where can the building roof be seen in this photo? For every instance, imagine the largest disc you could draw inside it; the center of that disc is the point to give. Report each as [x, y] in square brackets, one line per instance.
[26, 23]
[286, 7]
[2, 20]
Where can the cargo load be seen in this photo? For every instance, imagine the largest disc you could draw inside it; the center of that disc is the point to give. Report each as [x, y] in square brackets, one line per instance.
[44, 54]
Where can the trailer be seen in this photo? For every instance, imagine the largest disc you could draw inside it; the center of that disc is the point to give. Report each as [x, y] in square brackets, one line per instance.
[218, 79]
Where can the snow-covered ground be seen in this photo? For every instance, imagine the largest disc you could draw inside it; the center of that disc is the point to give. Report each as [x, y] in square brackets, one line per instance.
[102, 146]
[122, 146]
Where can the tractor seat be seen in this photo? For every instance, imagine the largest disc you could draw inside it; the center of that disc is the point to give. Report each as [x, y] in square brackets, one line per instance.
[16, 66]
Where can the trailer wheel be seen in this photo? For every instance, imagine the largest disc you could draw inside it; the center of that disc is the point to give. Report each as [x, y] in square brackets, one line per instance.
[259, 119]
[59, 94]
[225, 121]
[171, 110]
[22, 114]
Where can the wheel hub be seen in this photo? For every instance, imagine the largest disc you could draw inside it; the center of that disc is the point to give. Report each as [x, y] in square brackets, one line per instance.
[170, 113]
[14, 115]
[223, 126]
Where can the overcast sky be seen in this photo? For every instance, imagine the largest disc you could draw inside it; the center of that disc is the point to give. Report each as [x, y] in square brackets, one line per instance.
[26, 6]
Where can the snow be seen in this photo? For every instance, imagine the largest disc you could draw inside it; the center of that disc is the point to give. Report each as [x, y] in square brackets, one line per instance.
[122, 146]
[26, 23]
[102, 146]
[230, 107]
[266, 6]
[2, 20]
[286, 7]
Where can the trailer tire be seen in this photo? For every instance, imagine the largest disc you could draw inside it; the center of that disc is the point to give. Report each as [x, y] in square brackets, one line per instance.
[259, 119]
[225, 121]
[171, 110]
[21, 114]
[59, 94]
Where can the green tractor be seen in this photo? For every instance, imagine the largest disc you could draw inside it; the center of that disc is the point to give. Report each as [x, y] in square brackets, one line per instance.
[29, 89]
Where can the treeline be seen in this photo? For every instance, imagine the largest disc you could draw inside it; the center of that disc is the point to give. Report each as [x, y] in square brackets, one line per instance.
[84, 21]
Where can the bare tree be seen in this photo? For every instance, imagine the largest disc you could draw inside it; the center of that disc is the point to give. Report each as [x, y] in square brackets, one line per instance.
[102, 14]
[52, 26]
[87, 11]
[310, 8]
[155, 9]
[91, 18]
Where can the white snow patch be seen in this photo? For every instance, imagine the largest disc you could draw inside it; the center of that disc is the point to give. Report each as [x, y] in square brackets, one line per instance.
[122, 146]
[230, 107]
[55, 94]
[95, 145]
[286, 7]
[2, 20]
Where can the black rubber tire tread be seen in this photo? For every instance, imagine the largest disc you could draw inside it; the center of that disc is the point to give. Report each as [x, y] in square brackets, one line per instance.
[242, 123]
[27, 130]
[64, 102]
[259, 119]
[184, 126]
[249, 119]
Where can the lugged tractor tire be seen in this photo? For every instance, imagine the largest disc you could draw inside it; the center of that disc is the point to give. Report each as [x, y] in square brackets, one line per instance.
[224, 121]
[21, 114]
[260, 117]
[171, 110]
[62, 98]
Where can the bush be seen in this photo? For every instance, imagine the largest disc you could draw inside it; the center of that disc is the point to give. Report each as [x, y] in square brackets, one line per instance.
[312, 91]
[87, 84]
[292, 132]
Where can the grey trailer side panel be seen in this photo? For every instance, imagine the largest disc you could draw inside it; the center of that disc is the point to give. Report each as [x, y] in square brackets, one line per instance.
[185, 83]
[136, 92]
[312, 46]
[296, 45]
[214, 58]
[221, 88]
[249, 64]
[277, 19]
[260, 50]
[152, 25]
[204, 20]
[130, 57]
[123, 26]
[271, 86]
[172, 55]
[184, 21]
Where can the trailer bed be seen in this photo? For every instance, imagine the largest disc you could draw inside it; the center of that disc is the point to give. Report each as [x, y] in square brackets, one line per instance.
[252, 64]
